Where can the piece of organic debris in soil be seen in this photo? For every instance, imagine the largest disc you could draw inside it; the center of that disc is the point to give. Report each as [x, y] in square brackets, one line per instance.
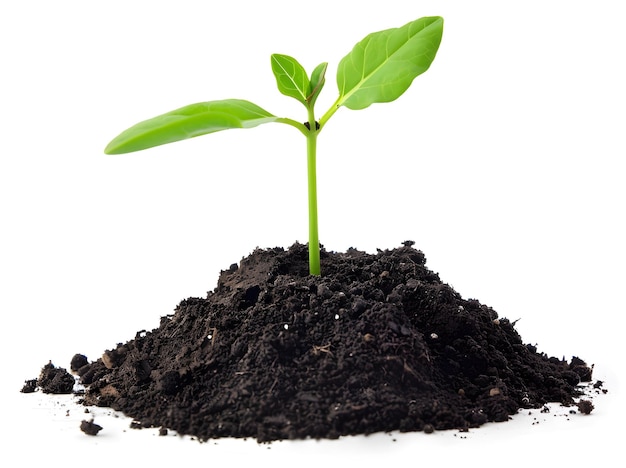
[377, 343]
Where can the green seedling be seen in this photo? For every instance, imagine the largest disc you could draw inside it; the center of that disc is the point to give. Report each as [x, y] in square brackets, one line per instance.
[380, 68]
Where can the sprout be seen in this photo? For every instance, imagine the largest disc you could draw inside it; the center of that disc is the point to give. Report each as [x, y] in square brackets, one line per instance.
[380, 68]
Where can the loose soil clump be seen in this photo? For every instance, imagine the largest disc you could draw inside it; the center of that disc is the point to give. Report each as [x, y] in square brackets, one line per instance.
[52, 379]
[90, 428]
[377, 343]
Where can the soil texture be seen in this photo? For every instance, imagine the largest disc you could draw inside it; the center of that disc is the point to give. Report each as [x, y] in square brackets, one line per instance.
[377, 343]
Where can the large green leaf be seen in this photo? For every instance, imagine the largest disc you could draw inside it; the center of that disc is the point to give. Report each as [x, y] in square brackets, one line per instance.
[188, 122]
[291, 78]
[383, 65]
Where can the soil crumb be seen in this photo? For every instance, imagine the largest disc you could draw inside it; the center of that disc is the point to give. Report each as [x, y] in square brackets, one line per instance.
[377, 343]
[90, 428]
[52, 379]
[585, 406]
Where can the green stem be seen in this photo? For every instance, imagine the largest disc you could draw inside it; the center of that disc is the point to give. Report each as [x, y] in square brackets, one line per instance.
[329, 113]
[311, 152]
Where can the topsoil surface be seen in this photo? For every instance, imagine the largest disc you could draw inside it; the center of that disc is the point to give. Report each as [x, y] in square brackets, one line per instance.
[377, 343]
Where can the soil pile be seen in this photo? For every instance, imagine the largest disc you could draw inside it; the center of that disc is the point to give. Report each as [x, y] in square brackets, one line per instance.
[378, 343]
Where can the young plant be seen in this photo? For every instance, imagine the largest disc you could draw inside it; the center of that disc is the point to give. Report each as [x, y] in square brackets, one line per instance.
[380, 68]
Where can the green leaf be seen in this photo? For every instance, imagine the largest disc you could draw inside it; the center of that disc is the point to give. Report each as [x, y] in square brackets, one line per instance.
[318, 78]
[188, 122]
[382, 66]
[291, 78]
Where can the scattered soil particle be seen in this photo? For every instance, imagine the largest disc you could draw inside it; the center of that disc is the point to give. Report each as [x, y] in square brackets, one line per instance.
[90, 428]
[585, 406]
[30, 386]
[377, 343]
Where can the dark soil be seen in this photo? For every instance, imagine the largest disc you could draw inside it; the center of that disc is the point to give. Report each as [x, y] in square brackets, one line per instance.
[90, 428]
[51, 379]
[377, 343]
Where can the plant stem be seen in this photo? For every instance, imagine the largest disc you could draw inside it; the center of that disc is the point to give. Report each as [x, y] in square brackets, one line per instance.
[311, 153]
[329, 113]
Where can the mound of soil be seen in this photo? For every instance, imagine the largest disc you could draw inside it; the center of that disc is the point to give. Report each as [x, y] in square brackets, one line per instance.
[377, 343]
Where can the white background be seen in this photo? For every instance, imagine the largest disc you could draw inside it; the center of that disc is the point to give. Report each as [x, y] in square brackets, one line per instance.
[504, 162]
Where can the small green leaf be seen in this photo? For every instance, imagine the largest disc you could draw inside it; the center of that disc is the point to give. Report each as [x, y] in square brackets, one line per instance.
[291, 78]
[318, 78]
[382, 66]
[188, 122]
